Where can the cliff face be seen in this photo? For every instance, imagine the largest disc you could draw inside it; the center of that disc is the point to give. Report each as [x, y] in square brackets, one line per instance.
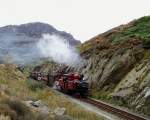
[117, 64]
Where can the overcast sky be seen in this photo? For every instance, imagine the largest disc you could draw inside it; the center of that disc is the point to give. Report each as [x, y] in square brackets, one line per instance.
[82, 18]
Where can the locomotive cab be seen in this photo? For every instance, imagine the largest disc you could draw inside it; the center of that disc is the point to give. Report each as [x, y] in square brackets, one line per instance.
[72, 84]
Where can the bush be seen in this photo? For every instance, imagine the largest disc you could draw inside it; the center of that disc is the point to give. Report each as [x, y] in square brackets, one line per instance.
[140, 29]
[146, 43]
[16, 110]
[35, 85]
[7, 111]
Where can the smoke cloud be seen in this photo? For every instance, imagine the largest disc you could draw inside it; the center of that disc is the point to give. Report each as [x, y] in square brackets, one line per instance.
[21, 49]
[58, 49]
[18, 49]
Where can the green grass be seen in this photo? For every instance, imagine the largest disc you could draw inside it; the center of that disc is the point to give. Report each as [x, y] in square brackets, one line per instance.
[146, 107]
[140, 29]
[19, 87]
[147, 54]
[35, 85]
[85, 47]
[106, 97]
[15, 109]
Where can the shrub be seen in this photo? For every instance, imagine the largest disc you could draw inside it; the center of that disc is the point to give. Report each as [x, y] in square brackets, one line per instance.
[140, 29]
[7, 111]
[35, 85]
[146, 43]
[16, 110]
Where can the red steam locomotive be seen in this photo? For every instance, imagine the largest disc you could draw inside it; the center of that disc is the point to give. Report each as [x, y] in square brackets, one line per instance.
[72, 83]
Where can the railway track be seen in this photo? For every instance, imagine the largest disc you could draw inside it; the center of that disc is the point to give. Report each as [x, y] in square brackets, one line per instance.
[120, 113]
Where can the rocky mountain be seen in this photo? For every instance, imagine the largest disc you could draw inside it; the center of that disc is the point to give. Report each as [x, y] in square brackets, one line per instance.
[117, 64]
[35, 30]
[19, 42]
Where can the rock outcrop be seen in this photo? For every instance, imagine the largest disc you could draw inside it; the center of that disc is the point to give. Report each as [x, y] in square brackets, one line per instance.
[117, 64]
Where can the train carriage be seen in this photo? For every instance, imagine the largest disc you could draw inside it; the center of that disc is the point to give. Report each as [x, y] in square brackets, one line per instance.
[72, 83]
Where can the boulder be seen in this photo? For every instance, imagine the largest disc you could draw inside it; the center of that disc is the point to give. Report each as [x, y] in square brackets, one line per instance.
[38, 106]
[60, 111]
[37, 103]
[2, 117]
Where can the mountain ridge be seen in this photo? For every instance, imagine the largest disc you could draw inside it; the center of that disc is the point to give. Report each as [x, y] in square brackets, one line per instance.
[21, 42]
[36, 29]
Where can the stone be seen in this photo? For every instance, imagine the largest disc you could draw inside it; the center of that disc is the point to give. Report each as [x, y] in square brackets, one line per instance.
[3, 87]
[45, 110]
[2, 117]
[38, 106]
[147, 94]
[37, 103]
[60, 111]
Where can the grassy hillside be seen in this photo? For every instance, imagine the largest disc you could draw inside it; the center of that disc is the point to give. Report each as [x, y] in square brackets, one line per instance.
[16, 88]
[137, 31]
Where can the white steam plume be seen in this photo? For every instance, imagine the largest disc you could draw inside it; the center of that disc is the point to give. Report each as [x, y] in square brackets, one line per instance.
[58, 49]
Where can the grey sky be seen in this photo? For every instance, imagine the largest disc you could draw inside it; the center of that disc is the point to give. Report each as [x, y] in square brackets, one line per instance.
[82, 18]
